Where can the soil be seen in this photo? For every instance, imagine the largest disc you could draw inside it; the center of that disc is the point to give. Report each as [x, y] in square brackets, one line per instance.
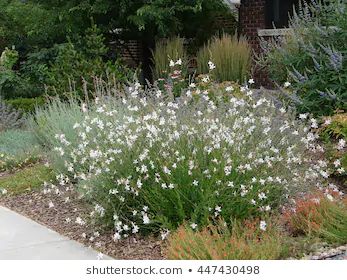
[36, 206]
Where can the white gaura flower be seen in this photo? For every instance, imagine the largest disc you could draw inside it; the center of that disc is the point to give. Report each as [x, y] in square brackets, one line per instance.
[172, 63]
[229, 89]
[329, 196]
[79, 221]
[164, 234]
[262, 225]
[145, 219]
[337, 163]
[51, 204]
[303, 116]
[211, 65]
[195, 183]
[341, 144]
[179, 62]
[251, 81]
[135, 228]
[193, 225]
[116, 236]
[262, 196]
[287, 84]
[100, 256]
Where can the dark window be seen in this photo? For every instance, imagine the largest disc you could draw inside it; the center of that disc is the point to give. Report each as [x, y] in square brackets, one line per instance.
[277, 12]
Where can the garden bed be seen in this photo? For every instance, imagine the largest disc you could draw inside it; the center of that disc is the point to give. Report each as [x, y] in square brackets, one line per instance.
[36, 206]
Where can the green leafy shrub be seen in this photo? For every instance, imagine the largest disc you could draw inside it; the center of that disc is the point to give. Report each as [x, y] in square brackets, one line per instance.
[231, 56]
[17, 149]
[244, 241]
[26, 105]
[155, 162]
[78, 64]
[313, 57]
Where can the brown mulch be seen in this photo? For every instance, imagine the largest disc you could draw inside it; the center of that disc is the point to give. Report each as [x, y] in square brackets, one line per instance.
[35, 206]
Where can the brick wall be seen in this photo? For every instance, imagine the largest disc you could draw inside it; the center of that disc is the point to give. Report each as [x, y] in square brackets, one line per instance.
[253, 17]
[131, 52]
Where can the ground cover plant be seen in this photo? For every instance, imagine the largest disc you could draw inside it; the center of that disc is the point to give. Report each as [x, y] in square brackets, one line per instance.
[242, 242]
[25, 180]
[149, 162]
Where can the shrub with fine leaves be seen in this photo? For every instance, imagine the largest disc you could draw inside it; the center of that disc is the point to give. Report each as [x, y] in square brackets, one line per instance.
[149, 162]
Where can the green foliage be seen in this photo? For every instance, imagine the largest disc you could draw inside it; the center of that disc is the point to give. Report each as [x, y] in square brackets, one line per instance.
[78, 64]
[336, 126]
[26, 105]
[18, 148]
[243, 242]
[231, 56]
[25, 180]
[313, 57]
[165, 51]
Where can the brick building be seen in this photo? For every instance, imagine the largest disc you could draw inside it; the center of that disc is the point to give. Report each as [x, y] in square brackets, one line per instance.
[258, 18]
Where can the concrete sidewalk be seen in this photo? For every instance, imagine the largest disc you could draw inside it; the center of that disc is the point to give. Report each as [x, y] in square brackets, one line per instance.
[24, 239]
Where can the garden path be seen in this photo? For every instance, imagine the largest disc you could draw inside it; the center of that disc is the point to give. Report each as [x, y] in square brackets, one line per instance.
[24, 239]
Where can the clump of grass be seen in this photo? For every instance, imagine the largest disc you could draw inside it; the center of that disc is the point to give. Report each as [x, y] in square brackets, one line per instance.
[319, 216]
[166, 50]
[243, 242]
[26, 179]
[17, 149]
[231, 55]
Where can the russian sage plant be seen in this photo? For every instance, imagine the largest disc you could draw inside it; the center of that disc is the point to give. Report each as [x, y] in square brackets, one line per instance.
[313, 57]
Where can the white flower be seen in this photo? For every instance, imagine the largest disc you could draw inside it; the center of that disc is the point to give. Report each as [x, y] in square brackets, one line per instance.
[193, 225]
[116, 236]
[172, 63]
[179, 62]
[262, 196]
[327, 121]
[164, 234]
[251, 81]
[282, 110]
[341, 144]
[50, 204]
[100, 256]
[145, 219]
[4, 191]
[229, 88]
[135, 229]
[211, 65]
[337, 163]
[79, 221]
[195, 183]
[287, 84]
[262, 225]
[329, 196]
[303, 116]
